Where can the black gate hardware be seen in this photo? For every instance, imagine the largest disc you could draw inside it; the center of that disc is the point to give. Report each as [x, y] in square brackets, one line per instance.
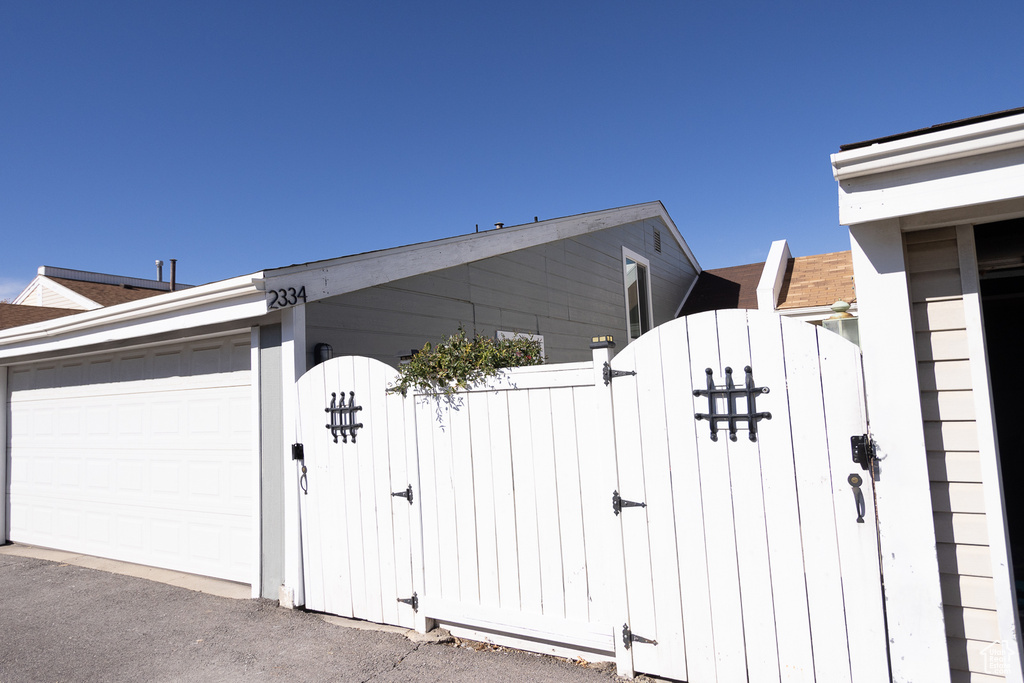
[407, 494]
[413, 602]
[730, 393]
[298, 452]
[628, 638]
[618, 502]
[608, 373]
[863, 449]
[343, 417]
[858, 496]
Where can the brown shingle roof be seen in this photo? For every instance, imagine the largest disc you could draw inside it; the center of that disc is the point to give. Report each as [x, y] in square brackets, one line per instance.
[819, 280]
[107, 294]
[734, 287]
[13, 315]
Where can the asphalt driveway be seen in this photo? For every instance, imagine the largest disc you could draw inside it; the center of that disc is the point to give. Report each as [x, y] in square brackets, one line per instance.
[65, 623]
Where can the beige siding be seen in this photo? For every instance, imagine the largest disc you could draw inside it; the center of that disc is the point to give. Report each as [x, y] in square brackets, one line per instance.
[954, 467]
[568, 291]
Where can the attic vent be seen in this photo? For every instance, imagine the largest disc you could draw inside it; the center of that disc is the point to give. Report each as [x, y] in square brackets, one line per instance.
[657, 240]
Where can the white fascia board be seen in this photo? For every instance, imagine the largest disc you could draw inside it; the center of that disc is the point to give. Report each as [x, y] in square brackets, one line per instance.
[770, 284]
[215, 303]
[965, 166]
[930, 148]
[329, 278]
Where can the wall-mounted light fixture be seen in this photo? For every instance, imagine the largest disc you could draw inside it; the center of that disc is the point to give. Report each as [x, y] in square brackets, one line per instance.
[322, 352]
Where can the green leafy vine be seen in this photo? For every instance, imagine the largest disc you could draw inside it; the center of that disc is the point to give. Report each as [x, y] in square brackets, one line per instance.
[459, 362]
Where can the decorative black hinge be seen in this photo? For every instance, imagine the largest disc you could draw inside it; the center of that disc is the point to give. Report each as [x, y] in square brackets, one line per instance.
[618, 502]
[628, 638]
[407, 494]
[413, 602]
[343, 417]
[863, 449]
[608, 373]
[731, 393]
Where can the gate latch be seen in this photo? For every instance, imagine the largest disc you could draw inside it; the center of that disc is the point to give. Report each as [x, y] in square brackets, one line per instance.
[407, 494]
[413, 602]
[863, 449]
[628, 638]
[618, 502]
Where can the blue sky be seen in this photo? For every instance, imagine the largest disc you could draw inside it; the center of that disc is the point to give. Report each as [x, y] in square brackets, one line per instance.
[238, 136]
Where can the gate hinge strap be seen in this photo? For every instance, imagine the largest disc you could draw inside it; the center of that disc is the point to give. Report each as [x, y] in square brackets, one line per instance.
[618, 502]
[628, 638]
[414, 602]
[608, 373]
[407, 494]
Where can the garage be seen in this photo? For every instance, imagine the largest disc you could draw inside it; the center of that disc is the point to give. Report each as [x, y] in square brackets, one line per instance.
[142, 455]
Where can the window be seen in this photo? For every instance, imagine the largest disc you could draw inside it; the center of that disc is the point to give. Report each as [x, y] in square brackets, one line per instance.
[638, 293]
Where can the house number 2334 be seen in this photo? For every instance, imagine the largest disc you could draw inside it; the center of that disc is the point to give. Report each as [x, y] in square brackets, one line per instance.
[283, 298]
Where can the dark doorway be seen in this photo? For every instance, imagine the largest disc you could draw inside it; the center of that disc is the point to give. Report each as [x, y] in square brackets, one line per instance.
[1000, 249]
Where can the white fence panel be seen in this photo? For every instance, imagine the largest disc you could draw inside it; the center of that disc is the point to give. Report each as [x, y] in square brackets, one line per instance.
[506, 550]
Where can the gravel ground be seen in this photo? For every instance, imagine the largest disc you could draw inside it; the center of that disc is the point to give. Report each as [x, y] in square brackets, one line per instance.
[62, 623]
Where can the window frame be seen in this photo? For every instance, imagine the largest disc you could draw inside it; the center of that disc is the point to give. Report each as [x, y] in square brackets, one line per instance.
[627, 256]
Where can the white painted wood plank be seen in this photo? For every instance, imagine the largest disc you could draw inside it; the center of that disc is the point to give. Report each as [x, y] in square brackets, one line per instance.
[948, 405]
[749, 513]
[939, 315]
[691, 553]
[975, 624]
[462, 473]
[951, 436]
[444, 503]
[548, 531]
[968, 591]
[723, 574]
[658, 480]
[598, 528]
[970, 560]
[958, 497]
[843, 386]
[402, 514]
[782, 514]
[570, 506]
[505, 518]
[524, 485]
[941, 345]
[310, 386]
[378, 425]
[324, 478]
[363, 455]
[484, 499]
[355, 505]
[634, 520]
[970, 529]
[425, 411]
[817, 516]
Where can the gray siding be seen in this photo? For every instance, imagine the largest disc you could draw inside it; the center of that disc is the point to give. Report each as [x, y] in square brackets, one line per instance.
[568, 291]
[951, 438]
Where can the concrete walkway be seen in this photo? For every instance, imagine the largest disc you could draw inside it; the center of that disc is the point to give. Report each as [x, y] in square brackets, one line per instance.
[67, 617]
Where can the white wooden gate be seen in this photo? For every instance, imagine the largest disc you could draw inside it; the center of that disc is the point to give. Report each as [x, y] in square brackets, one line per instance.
[748, 562]
[358, 543]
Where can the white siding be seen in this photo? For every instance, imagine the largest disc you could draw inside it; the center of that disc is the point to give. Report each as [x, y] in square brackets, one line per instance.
[951, 438]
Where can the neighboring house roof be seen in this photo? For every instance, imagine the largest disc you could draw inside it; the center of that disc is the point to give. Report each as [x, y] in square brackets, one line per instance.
[802, 287]
[85, 290]
[108, 295]
[13, 315]
[718, 288]
[819, 280]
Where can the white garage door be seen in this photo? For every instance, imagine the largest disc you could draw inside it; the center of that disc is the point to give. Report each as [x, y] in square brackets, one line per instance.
[144, 456]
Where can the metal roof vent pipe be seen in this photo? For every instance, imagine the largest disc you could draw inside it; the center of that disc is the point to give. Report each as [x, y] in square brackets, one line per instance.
[159, 270]
[499, 226]
[174, 263]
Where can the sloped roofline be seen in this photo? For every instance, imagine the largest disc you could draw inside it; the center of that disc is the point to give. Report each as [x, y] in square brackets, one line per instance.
[331, 277]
